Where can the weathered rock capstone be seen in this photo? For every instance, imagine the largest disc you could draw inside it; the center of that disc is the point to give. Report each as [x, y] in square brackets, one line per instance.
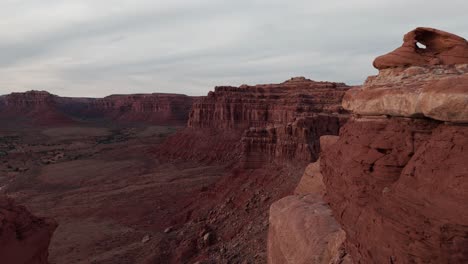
[415, 82]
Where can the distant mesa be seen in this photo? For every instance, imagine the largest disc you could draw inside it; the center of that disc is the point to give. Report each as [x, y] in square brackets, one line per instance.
[43, 108]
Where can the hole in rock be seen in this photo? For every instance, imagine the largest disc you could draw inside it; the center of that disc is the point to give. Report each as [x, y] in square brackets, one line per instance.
[420, 45]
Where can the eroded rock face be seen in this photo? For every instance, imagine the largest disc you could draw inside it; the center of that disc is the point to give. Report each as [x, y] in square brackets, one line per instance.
[260, 105]
[438, 48]
[398, 188]
[273, 123]
[302, 230]
[24, 238]
[298, 140]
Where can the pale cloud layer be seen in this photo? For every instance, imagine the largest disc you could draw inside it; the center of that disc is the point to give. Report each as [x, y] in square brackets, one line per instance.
[96, 48]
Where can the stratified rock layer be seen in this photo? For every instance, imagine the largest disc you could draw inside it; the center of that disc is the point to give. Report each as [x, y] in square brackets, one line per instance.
[24, 238]
[260, 105]
[437, 92]
[274, 122]
[298, 140]
[398, 189]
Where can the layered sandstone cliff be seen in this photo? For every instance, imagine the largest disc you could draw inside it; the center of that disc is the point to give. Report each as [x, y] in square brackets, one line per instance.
[24, 238]
[398, 185]
[263, 123]
[261, 105]
[43, 108]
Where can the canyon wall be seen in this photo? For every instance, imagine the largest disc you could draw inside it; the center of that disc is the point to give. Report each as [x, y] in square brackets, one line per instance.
[396, 178]
[263, 123]
[24, 238]
[42, 108]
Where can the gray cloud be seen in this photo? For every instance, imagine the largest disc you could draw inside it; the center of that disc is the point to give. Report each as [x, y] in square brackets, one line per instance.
[96, 48]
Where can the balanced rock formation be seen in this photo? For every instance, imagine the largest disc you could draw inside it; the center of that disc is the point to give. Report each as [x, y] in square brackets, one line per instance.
[415, 82]
[24, 238]
[43, 108]
[397, 184]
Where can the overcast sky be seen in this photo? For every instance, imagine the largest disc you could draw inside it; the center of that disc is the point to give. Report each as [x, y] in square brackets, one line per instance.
[101, 47]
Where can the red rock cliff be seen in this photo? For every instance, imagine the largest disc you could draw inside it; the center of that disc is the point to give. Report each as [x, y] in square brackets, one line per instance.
[24, 238]
[262, 123]
[260, 105]
[397, 178]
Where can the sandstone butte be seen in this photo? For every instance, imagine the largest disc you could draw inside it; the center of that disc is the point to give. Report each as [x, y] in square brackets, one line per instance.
[44, 109]
[261, 124]
[395, 179]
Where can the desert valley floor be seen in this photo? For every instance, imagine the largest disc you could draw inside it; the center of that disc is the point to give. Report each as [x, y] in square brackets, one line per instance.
[115, 199]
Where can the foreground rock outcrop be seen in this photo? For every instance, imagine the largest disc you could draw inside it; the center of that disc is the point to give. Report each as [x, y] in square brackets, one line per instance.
[43, 108]
[24, 238]
[397, 183]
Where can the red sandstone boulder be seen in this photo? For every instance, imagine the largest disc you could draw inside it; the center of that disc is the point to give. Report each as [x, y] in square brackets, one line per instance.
[302, 230]
[24, 238]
